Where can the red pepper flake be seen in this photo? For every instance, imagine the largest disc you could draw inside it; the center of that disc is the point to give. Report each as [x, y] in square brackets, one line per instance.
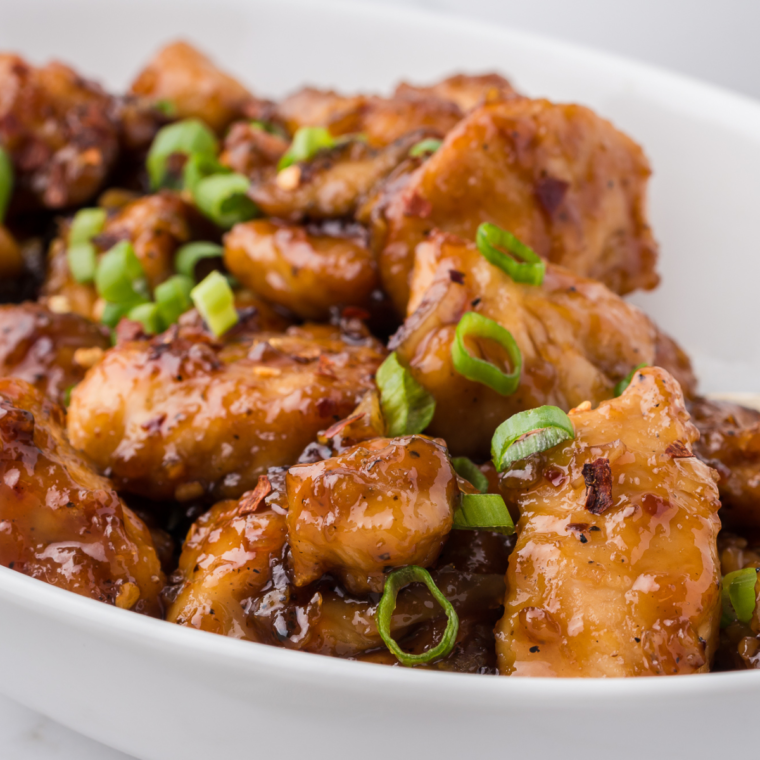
[678, 450]
[598, 477]
[550, 193]
[250, 501]
[456, 276]
[338, 427]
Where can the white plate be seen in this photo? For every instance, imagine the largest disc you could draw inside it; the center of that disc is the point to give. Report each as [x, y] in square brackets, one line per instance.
[159, 691]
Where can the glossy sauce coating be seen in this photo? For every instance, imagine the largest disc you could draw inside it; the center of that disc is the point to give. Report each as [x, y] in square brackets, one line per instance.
[633, 590]
[382, 504]
[60, 521]
[300, 269]
[184, 416]
[561, 179]
[41, 347]
[730, 442]
[576, 337]
[194, 86]
[465, 90]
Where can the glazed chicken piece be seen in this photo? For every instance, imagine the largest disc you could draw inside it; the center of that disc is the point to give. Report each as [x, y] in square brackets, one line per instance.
[306, 270]
[184, 416]
[11, 260]
[250, 150]
[465, 90]
[334, 183]
[184, 77]
[60, 131]
[382, 504]
[615, 571]
[156, 225]
[560, 178]
[61, 522]
[730, 442]
[50, 351]
[577, 339]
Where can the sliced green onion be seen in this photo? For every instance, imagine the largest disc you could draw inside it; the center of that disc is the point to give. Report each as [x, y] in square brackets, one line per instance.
[622, 386]
[173, 298]
[430, 145]
[189, 137]
[529, 432]
[82, 259]
[119, 274]
[113, 312]
[738, 595]
[87, 223]
[523, 265]
[166, 107]
[468, 470]
[268, 127]
[216, 303]
[67, 395]
[148, 316]
[6, 182]
[198, 167]
[407, 407]
[474, 325]
[81, 254]
[399, 578]
[483, 511]
[307, 142]
[190, 254]
[223, 199]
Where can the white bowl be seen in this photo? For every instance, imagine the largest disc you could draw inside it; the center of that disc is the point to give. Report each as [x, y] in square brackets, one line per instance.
[159, 691]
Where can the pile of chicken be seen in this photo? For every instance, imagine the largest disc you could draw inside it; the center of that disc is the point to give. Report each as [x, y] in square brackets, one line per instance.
[247, 485]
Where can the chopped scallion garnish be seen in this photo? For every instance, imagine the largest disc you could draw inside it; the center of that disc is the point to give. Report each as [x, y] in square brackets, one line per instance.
[223, 199]
[166, 107]
[393, 584]
[522, 265]
[198, 167]
[190, 254]
[119, 275]
[173, 298]
[621, 387]
[529, 432]
[81, 254]
[407, 407]
[189, 137]
[113, 312]
[425, 147]
[483, 511]
[468, 470]
[6, 182]
[148, 316]
[474, 325]
[215, 302]
[739, 597]
[82, 259]
[307, 142]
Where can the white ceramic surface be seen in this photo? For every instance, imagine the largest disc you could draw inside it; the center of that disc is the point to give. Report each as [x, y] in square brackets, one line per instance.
[159, 691]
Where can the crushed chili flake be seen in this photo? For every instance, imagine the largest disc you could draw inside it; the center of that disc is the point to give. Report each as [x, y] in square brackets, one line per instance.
[456, 276]
[598, 478]
[250, 501]
[678, 450]
[550, 193]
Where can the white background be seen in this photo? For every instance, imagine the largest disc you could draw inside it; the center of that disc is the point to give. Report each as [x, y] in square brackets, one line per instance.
[714, 40]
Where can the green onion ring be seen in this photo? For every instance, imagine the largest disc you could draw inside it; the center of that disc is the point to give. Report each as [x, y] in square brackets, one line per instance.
[148, 316]
[81, 254]
[307, 142]
[483, 511]
[173, 299]
[188, 137]
[119, 273]
[407, 407]
[215, 302]
[190, 254]
[6, 182]
[738, 596]
[468, 470]
[529, 266]
[399, 578]
[224, 200]
[473, 324]
[622, 386]
[529, 432]
[424, 147]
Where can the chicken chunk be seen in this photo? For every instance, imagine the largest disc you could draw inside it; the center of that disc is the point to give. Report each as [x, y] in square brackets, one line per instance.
[185, 416]
[11, 259]
[50, 351]
[576, 337]
[620, 576]
[465, 90]
[62, 523]
[730, 442]
[60, 131]
[156, 225]
[249, 150]
[306, 270]
[334, 183]
[195, 87]
[383, 504]
[560, 178]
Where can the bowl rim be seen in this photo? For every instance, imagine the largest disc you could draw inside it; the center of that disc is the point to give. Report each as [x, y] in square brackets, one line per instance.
[732, 111]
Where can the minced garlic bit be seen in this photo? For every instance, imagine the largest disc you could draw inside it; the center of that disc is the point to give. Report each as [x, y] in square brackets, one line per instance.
[127, 597]
[290, 178]
[88, 357]
[59, 304]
